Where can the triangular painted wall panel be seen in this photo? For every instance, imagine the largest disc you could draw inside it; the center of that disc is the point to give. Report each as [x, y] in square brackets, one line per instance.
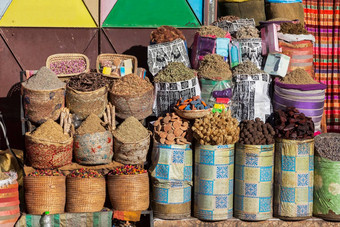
[3, 6]
[93, 7]
[105, 8]
[151, 13]
[197, 7]
[47, 13]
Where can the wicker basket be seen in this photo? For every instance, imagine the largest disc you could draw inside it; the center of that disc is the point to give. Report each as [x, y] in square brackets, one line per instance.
[43, 104]
[93, 148]
[111, 57]
[139, 107]
[64, 57]
[129, 192]
[44, 154]
[85, 194]
[84, 103]
[192, 114]
[45, 193]
[131, 153]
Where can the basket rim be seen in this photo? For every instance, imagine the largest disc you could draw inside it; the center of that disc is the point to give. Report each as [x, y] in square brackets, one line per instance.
[139, 141]
[304, 140]
[30, 136]
[130, 95]
[193, 111]
[85, 179]
[31, 177]
[85, 92]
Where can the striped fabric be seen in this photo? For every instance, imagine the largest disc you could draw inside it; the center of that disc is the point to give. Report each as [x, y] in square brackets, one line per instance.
[322, 19]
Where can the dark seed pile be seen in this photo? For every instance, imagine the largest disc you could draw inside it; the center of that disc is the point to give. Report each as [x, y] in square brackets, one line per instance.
[327, 145]
[256, 132]
[87, 82]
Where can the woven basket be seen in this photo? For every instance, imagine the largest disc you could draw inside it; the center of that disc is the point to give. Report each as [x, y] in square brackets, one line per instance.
[131, 153]
[62, 57]
[45, 193]
[111, 57]
[84, 103]
[43, 104]
[44, 154]
[139, 107]
[93, 148]
[85, 194]
[129, 192]
[192, 114]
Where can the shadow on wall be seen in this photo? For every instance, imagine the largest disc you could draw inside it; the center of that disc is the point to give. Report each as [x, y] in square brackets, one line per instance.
[10, 108]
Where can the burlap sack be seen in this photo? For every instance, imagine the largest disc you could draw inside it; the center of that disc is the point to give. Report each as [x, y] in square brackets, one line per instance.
[290, 11]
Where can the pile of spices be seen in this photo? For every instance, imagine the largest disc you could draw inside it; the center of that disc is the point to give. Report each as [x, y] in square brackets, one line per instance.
[92, 124]
[46, 172]
[85, 173]
[165, 34]
[214, 67]
[247, 68]
[68, 66]
[131, 85]
[216, 129]
[130, 131]
[44, 79]
[327, 145]
[247, 32]
[291, 28]
[228, 18]
[298, 76]
[127, 170]
[171, 129]
[194, 103]
[50, 131]
[291, 124]
[174, 72]
[87, 82]
[212, 31]
[256, 132]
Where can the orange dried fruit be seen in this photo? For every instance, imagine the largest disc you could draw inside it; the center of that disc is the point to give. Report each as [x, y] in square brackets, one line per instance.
[178, 132]
[167, 119]
[169, 142]
[170, 137]
[177, 124]
[162, 141]
[167, 127]
[162, 134]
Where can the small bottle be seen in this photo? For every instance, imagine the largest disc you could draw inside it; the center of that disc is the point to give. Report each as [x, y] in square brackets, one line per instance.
[45, 220]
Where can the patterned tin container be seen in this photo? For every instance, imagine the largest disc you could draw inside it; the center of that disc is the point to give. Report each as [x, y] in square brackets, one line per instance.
[93, 149]
[294, 179]
[254, 168]
[214, 182]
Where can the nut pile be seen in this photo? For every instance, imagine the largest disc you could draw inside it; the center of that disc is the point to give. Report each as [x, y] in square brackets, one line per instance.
[131, 85]
[46, 172]
[68, 66]
[174, 72]
[291, 124]
[171, 129]
[216, 129]
[214, 67]
[85, 173]
[165, 34]
[127, 170]
[87, 82]
[256, 132]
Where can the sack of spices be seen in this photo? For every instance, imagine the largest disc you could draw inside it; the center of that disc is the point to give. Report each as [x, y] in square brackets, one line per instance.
[93, 144]
[172, 83]
[232, 24]
[43, 96]
[168, 44]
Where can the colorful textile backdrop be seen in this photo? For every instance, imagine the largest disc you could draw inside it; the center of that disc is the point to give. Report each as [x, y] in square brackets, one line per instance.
[322, 19]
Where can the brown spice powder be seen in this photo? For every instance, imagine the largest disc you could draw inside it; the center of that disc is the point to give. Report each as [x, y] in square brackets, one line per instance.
[298, 76]
[131, 85]
[214, 67]
[92, 124]
[131, 130]
[50, 131]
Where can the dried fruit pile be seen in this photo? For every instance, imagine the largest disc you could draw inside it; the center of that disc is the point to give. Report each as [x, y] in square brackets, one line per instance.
[166, 34]
[214, 67]
[171, 129]
[46, 172]
[131, 85]
[127, 170]
[92, 124]
[175, 72]
[131, 130]
[216, 129]
[291, 124]
[327, 145]
[87, 82]
[298, 76]
[194, 103]
[256, 132]
[50, 131]
[68, 66]
[44, 79]
[85, 173]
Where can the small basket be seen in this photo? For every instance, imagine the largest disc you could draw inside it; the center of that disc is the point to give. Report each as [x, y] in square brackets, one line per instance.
[131, 153]
[129, 192]
[111, 57]
[192, 114]
[43, 154]
[45, 193]
[63, 57]
[139, 107]
[85, 194]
